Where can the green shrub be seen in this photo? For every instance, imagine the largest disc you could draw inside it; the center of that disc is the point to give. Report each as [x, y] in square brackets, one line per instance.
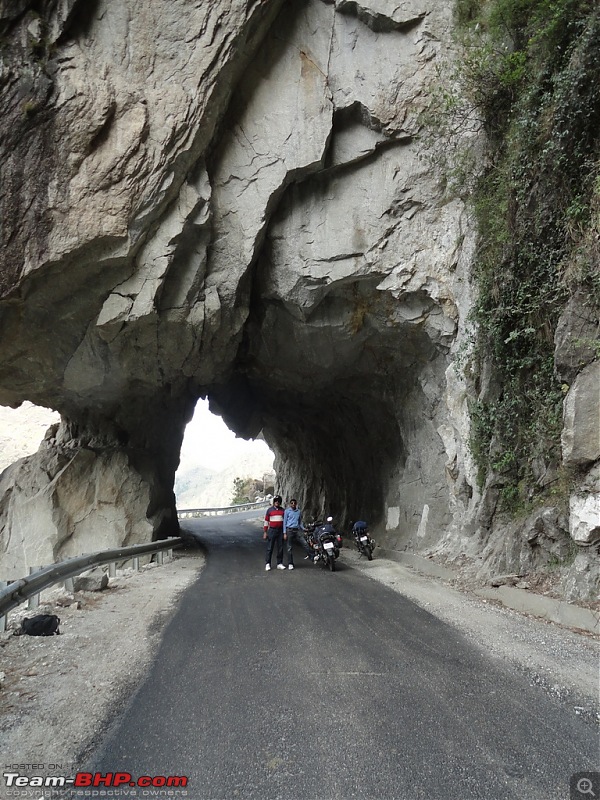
[531, 68]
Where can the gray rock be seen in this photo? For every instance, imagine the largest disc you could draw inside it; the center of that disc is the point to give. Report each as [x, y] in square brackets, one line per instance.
[582, 578]
[584, 520]
[581, 418]
[505, 580]
[546, 532]
[546, 523]
[94, 580]
[576, 337]
[67, 500]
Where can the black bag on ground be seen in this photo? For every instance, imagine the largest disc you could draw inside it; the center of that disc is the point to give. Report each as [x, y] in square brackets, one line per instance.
[40, 625]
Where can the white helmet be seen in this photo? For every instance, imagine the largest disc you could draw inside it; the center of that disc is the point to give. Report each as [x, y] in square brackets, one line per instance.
[329, 519]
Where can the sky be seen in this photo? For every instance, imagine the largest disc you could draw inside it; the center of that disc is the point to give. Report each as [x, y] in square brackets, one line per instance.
[210, 443]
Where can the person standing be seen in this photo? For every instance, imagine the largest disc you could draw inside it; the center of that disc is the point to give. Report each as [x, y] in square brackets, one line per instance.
[292, 532]
[273, 532]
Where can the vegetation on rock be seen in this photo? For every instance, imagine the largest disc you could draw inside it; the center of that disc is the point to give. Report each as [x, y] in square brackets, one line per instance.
[531, 78]
[246, 490]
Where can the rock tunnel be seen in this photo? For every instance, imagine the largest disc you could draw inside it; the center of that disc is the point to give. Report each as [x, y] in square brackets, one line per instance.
[232, 201]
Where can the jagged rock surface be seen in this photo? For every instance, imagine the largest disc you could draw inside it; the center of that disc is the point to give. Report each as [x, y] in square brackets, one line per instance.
[221, 199]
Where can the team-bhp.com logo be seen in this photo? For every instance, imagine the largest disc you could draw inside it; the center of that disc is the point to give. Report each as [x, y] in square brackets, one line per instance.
[94, 780]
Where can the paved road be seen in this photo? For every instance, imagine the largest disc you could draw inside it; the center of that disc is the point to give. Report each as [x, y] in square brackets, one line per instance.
[308, 685]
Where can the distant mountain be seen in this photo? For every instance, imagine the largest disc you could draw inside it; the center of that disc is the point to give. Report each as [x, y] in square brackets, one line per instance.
[190, 485]
[199, 487]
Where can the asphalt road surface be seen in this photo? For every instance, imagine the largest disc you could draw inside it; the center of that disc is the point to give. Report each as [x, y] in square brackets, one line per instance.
[312, 685]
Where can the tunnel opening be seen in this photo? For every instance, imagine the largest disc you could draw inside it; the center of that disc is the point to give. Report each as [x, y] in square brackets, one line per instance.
[213, 459]
[351, 447]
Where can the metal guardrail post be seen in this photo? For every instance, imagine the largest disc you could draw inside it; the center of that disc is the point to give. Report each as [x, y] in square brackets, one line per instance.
[136, 563]
[112, 569]
[160, 558]
[34, 600]
[3, 617]
[69, 585]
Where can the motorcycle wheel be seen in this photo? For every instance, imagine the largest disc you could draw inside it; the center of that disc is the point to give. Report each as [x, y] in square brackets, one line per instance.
[369, 554]
[332, 563]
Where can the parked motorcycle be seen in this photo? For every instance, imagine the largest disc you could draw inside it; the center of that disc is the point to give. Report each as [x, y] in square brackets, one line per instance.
[325, 543]
[364, 543]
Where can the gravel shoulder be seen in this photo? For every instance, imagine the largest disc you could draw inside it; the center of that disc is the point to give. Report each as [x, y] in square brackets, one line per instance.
[58, 693]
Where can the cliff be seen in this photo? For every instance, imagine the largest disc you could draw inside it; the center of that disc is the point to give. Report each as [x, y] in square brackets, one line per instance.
[236, 200]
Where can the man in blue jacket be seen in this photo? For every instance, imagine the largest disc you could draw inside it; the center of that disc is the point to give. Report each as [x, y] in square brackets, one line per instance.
[292, 531]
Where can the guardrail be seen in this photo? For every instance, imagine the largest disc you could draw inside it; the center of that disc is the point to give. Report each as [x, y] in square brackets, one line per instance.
[186, 513]
[25, 589]
[17, 592]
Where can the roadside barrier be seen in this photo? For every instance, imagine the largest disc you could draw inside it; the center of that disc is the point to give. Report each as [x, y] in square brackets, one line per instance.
[13, 594]
[28, 589]
[187, 513]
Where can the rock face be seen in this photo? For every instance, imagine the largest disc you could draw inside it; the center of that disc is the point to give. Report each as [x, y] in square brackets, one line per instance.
[94, 580]
[230, 199]
[68, 500]
[105, 205]
[353, 310]
[581, 423]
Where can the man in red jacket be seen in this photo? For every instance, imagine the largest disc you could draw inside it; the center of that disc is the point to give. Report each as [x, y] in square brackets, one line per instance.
[273, 532]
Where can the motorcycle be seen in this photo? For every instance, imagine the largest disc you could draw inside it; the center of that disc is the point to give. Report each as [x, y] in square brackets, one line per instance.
[364, 543]
[324, 543]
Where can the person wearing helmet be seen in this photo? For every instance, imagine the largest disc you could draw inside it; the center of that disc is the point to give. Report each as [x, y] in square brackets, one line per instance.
[273, 532]
[329, 528]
